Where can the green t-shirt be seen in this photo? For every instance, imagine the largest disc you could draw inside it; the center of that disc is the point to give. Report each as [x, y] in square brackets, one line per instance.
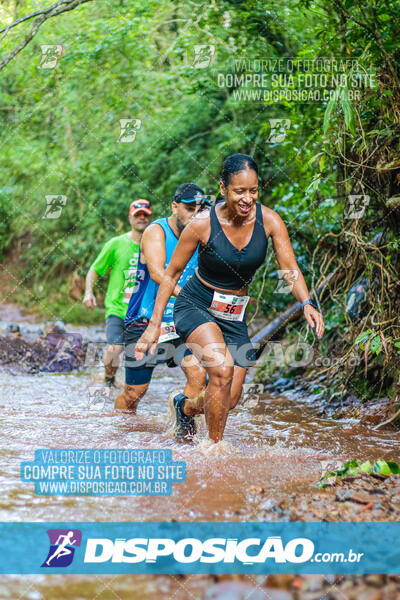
[121, 255]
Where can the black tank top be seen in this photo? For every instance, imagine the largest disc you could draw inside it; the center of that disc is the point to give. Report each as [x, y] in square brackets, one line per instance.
[222, 265]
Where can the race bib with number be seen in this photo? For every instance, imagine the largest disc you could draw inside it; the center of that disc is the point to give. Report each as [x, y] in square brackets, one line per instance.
[168, 332]
[228, 307]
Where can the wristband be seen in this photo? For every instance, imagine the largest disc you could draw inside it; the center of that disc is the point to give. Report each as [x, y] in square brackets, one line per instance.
[309, 301]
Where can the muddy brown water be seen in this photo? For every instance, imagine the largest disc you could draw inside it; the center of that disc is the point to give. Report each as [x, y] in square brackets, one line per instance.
[281, 444]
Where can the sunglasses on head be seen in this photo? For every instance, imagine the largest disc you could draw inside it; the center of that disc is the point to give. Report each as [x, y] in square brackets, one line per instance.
[198, 200]
[141, 204]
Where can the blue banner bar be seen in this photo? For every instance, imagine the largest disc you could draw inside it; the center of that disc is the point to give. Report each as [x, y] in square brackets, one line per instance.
[155, 548]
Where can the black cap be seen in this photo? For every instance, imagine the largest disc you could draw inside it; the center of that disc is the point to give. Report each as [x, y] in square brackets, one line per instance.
[190, 192]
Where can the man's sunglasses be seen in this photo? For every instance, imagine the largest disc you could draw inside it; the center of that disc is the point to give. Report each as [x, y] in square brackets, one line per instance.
[140, 204]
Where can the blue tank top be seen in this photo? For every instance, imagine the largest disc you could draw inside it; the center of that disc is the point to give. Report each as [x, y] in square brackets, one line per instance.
[145, 291]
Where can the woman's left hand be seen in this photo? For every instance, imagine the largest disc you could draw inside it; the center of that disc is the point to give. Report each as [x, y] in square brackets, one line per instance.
[147, 341]
[314, 319]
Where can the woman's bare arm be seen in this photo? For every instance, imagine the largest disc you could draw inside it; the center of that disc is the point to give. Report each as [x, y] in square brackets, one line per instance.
[183, 252]
[287, 262]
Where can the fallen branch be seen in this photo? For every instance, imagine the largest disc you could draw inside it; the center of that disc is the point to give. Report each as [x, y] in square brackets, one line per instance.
[290, 314]
[392, 418]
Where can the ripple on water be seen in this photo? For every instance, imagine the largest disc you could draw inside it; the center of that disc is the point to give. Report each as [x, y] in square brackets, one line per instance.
[220, 449]
[277, 444]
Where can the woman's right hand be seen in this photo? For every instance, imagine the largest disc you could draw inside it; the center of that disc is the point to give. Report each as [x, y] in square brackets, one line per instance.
[314, 319]
[148, 340]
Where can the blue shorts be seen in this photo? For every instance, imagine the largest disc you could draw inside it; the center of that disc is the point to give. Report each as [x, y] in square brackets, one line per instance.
[114, 330]
[140, 372]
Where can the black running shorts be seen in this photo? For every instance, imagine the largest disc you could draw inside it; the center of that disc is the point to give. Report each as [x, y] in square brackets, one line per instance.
[139, 372]
[191, 310]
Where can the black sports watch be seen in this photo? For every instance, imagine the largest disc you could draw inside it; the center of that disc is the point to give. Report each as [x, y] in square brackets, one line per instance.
[309, 301]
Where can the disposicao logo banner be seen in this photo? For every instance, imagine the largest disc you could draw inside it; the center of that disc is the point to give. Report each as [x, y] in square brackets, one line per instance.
[154, 548]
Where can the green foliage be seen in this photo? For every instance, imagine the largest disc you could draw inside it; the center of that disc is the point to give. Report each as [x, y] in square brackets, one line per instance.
[61, 127]
[4, 226]
[374, 341]
[353, 468]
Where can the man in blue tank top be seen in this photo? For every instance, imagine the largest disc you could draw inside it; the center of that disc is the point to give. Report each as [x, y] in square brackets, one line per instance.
[157, 246]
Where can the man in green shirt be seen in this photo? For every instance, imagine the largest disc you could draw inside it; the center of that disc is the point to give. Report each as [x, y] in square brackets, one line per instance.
[121, 255]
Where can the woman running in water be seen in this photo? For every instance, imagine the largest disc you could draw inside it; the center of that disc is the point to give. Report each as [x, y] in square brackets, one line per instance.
[209, 312]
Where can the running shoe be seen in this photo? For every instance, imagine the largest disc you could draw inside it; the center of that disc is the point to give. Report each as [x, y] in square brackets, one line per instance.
[184, 427]
[110, 382]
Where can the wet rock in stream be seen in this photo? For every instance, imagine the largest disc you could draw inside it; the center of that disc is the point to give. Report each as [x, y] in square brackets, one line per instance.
[54, 351]
[363, 498]
[304, 587]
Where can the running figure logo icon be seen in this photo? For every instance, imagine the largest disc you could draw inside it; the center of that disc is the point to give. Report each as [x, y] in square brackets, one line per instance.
[203, 56]
[62, 547]
[128, 129]
[54, 206]
[50, 55]
[278, 131]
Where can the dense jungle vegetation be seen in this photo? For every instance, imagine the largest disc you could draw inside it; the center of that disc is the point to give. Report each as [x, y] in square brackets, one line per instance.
[184, 74]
